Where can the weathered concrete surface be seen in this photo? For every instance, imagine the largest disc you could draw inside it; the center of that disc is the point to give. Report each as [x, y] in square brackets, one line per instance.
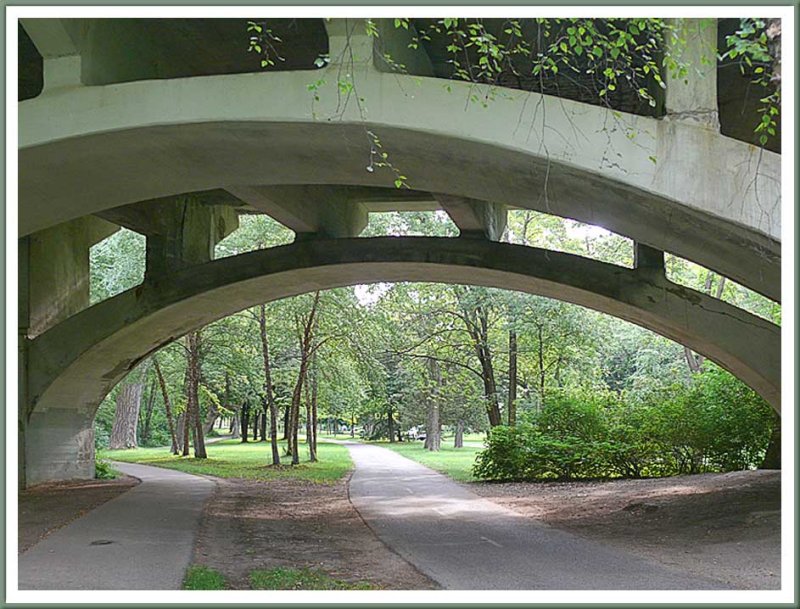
[475, 218]
[85, 149]
[321, 210]
[80, 360]
[466, 542]
[58, 445]
[692, 98]
[56, 262]
[151, 530]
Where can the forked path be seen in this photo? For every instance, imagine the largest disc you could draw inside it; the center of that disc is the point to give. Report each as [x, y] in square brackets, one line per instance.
[463, 541]
[141, 540]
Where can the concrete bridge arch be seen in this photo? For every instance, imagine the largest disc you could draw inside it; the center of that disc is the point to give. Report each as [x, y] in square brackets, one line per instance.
[79, 360]
[675, 184]
[96, 155]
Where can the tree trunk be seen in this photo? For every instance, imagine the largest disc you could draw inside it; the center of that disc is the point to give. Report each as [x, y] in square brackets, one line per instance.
[211, 418]
[245, 413]
[512, 377]
[167, 406]
[268, 389]
[287, 413]
[126, 417]
[433, 425]
[314, 395]
[305, 354]
[235, 424]
[148, 411]
[193, 398]
[459, 440]
[256, 424]
[390, 423]
[542, 376]
[309, 433]
[476, 321]
[263, 421]
[772, 459]
[180, 426]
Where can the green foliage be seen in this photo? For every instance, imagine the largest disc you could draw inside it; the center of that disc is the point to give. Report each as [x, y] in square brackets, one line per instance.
[749, 46]
[199, 577]
[636, 52]
[231, 459]
[116, 264]
[716, 424]
[264, 42]
[104, 471]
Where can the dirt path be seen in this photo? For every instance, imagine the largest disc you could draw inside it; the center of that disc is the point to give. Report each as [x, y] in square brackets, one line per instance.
[48, 507]
[250, 525]
[725, 526]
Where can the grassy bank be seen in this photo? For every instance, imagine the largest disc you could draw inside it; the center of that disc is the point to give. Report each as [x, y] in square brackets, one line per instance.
[232, 459]
[454, 462]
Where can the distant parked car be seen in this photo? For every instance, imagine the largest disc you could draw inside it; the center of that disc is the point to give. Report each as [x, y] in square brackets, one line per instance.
[416, 433]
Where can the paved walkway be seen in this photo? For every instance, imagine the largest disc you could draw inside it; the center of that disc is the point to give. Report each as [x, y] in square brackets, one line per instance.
[141, 540]
[464, 541]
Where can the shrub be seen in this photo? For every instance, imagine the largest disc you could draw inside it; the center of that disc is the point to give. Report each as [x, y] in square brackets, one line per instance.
[716, 423]
[104, 471]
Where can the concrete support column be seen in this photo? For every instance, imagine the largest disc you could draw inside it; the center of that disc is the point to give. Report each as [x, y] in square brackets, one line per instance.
[53, 285]
[59, 445]
[61, 57]
[392, 51]
[309, 210]
[181, 231]
[475, 219]
[349, 43]
[23, 322]
[693, 98]
[649, 261]
[375, 44]
[58, 270]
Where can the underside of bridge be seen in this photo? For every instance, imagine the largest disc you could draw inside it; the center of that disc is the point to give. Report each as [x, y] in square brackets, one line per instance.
[179, 158]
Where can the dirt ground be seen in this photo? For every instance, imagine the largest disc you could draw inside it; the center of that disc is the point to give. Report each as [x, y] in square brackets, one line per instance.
[48, 507]
[725, 526]
[250, 525]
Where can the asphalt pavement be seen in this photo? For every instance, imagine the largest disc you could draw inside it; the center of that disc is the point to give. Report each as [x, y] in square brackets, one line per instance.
[140, 540]
[466, 542]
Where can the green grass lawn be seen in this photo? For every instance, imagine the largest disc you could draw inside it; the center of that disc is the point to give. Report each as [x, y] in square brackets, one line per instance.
[301, 579]
[232, 459]
[455, 462]
[338, 436]
[199, 577]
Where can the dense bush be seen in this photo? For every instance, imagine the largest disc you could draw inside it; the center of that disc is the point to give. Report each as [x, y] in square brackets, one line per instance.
[714, 424]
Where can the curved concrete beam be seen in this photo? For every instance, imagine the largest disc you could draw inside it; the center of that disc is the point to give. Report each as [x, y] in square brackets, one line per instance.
[75, 364]
[707, 198]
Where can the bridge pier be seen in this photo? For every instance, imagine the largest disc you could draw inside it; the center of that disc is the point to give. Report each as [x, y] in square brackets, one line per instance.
[59, 445]
[53, 285]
